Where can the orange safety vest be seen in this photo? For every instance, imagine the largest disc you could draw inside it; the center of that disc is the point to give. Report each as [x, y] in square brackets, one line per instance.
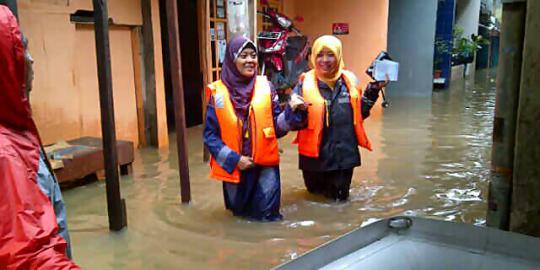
[309, 139]
[265, 150]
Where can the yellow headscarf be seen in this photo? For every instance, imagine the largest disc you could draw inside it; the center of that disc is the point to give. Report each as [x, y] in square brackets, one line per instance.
[333, 44]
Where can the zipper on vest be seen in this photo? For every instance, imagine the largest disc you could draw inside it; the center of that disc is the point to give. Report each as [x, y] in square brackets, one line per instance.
[356, 113]
[254, 137]
[240, 127]
[327, 113]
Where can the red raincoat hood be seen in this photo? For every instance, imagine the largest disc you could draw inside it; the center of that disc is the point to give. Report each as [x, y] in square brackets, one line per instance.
[28, 231]
[15, 110]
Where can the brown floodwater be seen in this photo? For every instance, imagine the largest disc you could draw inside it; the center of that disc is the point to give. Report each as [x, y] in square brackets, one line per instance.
[431, 158]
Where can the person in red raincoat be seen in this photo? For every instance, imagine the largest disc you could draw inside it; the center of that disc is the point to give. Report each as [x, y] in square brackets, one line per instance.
[29, 234]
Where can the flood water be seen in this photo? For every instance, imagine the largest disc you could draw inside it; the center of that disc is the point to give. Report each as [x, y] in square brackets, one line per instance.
[431, 158]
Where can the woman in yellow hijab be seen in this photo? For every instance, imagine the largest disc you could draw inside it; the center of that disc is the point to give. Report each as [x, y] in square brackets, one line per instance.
[328, 143]
[327, 59]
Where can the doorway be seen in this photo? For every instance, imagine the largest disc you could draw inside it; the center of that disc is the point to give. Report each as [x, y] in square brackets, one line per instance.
[124, 83]
[191, 66]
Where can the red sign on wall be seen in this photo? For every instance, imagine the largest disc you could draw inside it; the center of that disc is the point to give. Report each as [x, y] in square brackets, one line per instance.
[340, 28]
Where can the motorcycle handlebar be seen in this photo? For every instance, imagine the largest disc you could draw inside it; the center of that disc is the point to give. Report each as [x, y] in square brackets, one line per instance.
[294, 29]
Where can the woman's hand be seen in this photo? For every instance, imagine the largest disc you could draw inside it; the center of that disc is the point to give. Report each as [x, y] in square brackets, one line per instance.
[381, 84]
[245, 163]
[297, 102]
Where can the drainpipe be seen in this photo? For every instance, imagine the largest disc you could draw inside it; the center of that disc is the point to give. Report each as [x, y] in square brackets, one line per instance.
[504, 129]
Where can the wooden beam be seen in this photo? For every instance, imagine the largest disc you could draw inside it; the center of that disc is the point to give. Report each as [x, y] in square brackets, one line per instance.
[150, 103]
[253, 20]
[205, 58]
[178, 95]
[506, 107]
[525, 213]
[208, 50]
[136, 34]
[115, 204]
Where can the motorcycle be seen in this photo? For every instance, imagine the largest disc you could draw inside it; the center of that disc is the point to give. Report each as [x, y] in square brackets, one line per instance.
[283, 57]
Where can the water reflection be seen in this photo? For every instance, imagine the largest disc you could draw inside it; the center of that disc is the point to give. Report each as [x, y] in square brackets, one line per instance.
[430, 158]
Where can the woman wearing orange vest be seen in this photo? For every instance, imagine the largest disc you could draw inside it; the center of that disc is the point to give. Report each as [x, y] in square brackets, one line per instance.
[243, 123]
[328, 143]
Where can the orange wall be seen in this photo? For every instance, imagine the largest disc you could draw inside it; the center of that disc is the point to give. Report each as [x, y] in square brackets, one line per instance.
[65, 99]
[163, 134]
[85, 75]
[368, 25]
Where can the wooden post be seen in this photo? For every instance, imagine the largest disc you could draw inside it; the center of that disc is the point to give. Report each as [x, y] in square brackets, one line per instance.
[504, 129]
[205, 55]
[150, 107]
[138, 69]
[178, 95]
[115, 204]
[525, 214]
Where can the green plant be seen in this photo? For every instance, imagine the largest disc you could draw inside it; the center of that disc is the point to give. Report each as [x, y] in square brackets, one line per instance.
[441, 48]
[479, 41]
[457, 32]
[466, 47]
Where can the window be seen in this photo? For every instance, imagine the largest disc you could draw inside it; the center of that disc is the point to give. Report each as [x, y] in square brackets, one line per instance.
[218, 35]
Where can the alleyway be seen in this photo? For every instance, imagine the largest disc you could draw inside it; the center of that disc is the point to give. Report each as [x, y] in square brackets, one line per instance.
[431, 158]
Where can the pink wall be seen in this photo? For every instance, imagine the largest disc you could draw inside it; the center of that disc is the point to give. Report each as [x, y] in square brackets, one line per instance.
[368, 25]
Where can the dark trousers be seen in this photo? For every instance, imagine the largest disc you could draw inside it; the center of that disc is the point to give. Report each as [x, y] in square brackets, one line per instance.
[332, 184]
[257, 196]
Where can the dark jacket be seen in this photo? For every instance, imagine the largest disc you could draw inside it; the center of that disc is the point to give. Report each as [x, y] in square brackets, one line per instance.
[339, 147]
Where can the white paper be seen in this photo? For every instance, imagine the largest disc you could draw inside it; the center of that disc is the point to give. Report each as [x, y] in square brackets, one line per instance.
[238, 17]
[222, 49]
[220, 28]
[386, 67]
[221, 12]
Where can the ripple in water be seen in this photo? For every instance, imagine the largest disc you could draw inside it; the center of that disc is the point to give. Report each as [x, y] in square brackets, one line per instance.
[430, 159]
[461, 195]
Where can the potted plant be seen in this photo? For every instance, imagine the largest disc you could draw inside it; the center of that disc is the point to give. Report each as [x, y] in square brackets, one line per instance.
[441, 48]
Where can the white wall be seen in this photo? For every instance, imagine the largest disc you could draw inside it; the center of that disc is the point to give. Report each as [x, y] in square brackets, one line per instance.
[411, 34]
[467, 16]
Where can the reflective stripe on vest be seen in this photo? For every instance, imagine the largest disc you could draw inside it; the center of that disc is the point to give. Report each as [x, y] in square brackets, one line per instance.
[309, 139]
[264, 143]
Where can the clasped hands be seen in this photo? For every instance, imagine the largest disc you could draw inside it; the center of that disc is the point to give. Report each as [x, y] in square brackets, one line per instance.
[245, 163]
[297, 102]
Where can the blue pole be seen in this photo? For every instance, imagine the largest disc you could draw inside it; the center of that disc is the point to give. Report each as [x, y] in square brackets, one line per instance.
[443, 32]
